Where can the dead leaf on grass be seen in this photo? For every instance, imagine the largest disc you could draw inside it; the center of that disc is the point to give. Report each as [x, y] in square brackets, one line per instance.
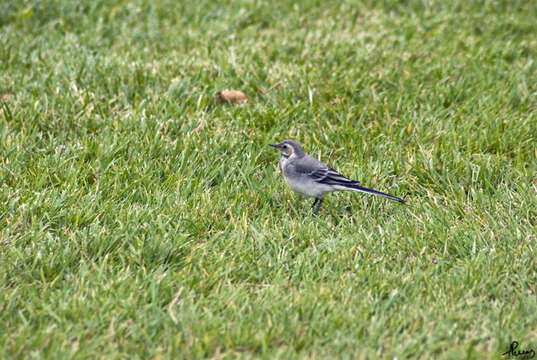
[231, 97]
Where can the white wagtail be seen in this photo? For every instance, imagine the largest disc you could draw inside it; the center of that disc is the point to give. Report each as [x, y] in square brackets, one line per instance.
[308, 176]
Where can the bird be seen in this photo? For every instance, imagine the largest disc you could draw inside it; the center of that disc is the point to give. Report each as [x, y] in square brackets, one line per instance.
[309, 176]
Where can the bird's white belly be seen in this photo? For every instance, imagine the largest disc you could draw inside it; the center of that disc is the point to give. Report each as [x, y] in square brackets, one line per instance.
[308, 187]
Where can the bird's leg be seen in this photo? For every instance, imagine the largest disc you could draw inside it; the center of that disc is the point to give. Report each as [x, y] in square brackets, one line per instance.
[312, 206]
[319, 202]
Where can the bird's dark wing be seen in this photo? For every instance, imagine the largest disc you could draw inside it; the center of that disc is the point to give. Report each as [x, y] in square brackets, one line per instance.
[330, 176]
[321, 173]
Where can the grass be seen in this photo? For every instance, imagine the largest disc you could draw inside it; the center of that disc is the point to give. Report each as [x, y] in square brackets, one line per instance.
[141, 219]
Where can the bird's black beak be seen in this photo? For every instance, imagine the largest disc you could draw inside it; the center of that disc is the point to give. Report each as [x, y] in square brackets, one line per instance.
[277, 146]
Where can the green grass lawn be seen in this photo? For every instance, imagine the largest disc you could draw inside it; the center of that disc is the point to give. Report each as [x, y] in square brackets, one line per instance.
[140, 219]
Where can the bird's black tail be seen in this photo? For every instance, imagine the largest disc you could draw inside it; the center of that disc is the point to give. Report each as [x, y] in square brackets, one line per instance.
[355, 187]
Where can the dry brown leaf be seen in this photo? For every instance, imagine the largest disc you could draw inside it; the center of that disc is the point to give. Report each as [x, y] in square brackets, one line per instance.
[231, 97]
[5, 96]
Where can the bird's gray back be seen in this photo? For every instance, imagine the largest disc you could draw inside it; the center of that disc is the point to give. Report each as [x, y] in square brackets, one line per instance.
[304, 165]
[309, 167]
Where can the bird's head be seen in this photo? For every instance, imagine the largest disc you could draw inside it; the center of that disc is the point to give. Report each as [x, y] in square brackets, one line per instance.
[289, 148]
